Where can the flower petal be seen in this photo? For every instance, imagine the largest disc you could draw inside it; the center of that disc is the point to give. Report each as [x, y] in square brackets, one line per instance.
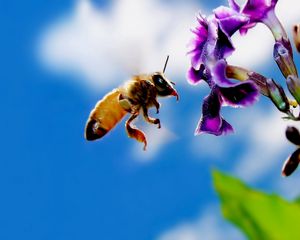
[226, 128]
[211, 42]
[244, 29]
[197, 44]
[223, 47]
[219, 74]
[230, 20]
[258, 10]
[195, 76]
[211, 121]
[234, 5]
[239, 94]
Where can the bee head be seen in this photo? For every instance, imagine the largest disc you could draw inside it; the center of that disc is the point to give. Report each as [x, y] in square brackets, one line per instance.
[163, 86]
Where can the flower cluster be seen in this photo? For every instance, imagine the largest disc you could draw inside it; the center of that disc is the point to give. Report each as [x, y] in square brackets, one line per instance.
[211, 45]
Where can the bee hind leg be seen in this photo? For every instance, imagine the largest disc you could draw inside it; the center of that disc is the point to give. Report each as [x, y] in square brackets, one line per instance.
[150, 119]
[135, 133]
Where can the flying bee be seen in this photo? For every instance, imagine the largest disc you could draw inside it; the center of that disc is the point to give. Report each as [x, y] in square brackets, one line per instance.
[135, 96]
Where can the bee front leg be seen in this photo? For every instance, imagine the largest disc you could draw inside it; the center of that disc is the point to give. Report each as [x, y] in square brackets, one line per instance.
[150, 119]
[157, 105]
[135, 133]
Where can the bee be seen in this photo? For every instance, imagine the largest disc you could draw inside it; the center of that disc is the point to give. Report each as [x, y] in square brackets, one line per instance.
[134, 97]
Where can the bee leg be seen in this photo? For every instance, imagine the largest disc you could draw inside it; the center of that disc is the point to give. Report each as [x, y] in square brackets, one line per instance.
[135, 133]
[150, 119]
[157, 105]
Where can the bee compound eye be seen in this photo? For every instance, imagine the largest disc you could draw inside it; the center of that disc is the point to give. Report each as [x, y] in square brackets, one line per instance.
[159, 80]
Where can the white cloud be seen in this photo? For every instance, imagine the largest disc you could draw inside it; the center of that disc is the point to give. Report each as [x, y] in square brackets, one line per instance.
[106, 47]
[288, 12]
[253, 49]
[209, 226]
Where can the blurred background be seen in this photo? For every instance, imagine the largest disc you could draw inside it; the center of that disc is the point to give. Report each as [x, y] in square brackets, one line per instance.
[59, 58]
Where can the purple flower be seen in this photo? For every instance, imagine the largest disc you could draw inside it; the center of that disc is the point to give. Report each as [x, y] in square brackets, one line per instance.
[223, 93]
[230, 19]
[211, 40]
[194, 76]
[264, 11]
[199, 43]
[211, 121]
[240, 94]
[210, 46]
[256, 10]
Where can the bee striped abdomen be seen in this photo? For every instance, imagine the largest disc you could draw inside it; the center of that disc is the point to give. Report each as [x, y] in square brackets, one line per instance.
[105, 116]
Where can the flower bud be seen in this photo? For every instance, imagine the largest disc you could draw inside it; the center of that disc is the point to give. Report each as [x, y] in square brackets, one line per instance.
[296, 36]
[293, 135]
[293, 84]
[277, 95]
[260, 81]
[284, 60]
[291, 163]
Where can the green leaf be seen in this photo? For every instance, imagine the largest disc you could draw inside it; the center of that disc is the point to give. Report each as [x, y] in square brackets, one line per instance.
[257, 214]
[297, 200]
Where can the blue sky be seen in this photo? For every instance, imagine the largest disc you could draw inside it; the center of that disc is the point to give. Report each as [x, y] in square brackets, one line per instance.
[55, 185]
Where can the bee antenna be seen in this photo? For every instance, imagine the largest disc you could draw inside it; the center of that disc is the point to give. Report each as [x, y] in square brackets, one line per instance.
[166, 63]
